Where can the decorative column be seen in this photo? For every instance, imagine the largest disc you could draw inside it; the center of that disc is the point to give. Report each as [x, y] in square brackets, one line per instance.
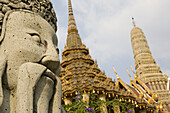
[164, 84]
[150, 86]
[103, 106]
[67, 101]
[161, 84]
[157, 84]
[153, 84]
[116, 109]
[86, 97]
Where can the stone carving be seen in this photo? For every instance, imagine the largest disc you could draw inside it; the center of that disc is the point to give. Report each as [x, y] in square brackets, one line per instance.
[42, 7]
[29, 61]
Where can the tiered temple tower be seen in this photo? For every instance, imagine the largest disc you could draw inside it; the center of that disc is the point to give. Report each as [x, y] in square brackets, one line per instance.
[78, 69]
[79, 72]
[147, 69]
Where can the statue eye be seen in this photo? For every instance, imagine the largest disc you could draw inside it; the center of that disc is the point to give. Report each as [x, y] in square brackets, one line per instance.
[35, 37]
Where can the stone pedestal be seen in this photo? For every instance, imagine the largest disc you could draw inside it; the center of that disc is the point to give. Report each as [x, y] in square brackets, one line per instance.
[85, 97]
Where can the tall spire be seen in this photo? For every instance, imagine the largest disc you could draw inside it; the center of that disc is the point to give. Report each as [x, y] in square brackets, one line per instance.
[133, 21]
[142, 55]
[146, 68]
[73, 38]
[71, 21]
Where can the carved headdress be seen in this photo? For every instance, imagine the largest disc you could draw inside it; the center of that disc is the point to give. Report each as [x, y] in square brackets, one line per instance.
[42, 7]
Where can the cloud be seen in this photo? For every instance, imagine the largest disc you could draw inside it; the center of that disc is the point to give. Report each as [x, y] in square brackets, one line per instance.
[105, 25]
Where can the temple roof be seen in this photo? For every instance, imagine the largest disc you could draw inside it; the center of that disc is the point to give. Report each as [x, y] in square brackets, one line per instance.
[80, 72]
[149, 75]
[138, 89]
[145, 64]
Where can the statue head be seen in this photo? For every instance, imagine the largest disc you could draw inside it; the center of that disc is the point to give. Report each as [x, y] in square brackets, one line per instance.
[28, 34]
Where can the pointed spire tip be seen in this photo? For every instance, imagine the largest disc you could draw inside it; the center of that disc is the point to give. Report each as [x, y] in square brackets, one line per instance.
[128, 73]
[116, 73]
[133, 21]
[71, 21]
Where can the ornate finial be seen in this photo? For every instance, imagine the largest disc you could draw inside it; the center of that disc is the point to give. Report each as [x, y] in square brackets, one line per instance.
[133, 71]
[156, 96]
[133, 21]
[156, 93]
[95, 64]
[161, 106]
[141, 95]
[114, 70]
[103, 72]
[116, 73]
[95, 61]
[129, 75]
[153, 96]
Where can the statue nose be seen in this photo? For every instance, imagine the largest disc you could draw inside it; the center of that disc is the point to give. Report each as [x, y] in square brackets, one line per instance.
[51, 59]
[51, 63]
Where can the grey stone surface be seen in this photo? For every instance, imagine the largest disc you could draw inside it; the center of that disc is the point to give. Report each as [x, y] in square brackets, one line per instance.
[29, 64]
[42, 7]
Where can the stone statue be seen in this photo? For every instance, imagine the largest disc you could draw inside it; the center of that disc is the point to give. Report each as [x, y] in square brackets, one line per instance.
[29, 62]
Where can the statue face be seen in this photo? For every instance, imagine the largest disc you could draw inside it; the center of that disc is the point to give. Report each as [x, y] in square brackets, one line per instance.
[29, 38]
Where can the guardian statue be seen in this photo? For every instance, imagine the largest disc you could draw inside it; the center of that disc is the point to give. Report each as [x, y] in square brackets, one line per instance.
[29, 62]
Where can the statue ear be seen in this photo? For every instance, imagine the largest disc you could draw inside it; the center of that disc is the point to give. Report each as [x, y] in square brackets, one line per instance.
[3, 59]
[3, 29]
[2, 34]
[3, 62]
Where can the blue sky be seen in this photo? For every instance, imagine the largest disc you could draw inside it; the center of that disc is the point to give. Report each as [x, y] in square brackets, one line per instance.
[105, 25]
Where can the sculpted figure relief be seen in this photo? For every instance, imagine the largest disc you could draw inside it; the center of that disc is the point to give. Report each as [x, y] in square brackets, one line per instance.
[29, 59]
